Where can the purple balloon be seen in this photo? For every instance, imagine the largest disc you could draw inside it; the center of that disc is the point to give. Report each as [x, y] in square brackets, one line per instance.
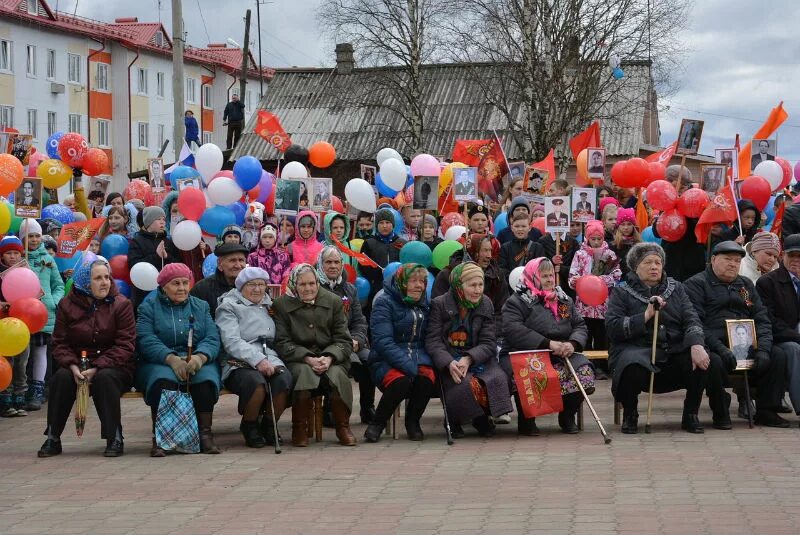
[797, 171]
[265, 186]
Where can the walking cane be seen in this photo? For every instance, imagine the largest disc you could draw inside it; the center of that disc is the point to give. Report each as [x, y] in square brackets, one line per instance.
[447, 432]
[656, 307]
[606, 438]
[189, 349]
[278, 371]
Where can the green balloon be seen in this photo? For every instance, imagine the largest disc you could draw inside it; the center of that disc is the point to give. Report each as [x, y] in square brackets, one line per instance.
[443, 252]
[15, 221]
[45, 197]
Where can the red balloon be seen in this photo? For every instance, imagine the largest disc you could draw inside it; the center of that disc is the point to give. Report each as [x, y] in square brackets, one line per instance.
[538, 223]
[661, 195]
[757, 189]
[449, 219]
[591, 290]
[671, 225]
[95, 162]
[351, 273]
[155, 198]
[337, 205]
[192, 203]
[72, 148]
[137, 189]
[787, 172]
[31, 312]
[693, 202]
[119, 268]
[5, 373]
[617, 170]
[635, 174]
[658, 171]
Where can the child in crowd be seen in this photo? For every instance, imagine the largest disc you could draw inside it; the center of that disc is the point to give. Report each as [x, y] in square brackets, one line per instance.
[750, 217]
[626, 236]
[412, 219]
[305, 248]
[231, 234]
[364, 225]
[269, 256]
[428, 232]
[609, 219]
[12, 399]
[253, 221]
[521, 249]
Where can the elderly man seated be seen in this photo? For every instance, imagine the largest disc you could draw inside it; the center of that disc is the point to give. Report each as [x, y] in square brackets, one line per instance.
[718, 294]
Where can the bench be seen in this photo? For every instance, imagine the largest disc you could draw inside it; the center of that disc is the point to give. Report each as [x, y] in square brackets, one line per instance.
[135, 394]
[599, 355]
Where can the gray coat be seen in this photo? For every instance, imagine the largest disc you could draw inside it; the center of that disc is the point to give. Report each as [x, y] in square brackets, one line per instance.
[241, 322]
[461, 404]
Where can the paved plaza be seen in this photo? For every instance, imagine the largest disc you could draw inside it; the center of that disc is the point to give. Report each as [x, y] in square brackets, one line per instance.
[737, 482]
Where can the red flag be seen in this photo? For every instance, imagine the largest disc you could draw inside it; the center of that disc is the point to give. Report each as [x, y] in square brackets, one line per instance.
[363, 259]
[721, 209]
[269, 127]
[470, 151]
[549, 165]
[776, 118]
[588, 138]
[642, 217]
[777, 223]
[76, 236]
[491, 170]
[664, 156]
[537, 382]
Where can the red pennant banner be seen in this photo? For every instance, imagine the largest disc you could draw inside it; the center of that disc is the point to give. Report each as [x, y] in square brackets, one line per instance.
[75, 237]
[362, 259]
[537, 382]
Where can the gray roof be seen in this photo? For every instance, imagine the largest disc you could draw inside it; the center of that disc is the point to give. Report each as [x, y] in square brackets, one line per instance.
[313, 105]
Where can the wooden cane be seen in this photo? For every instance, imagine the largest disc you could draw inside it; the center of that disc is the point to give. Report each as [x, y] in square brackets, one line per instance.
[680, 174]
[653, 363]
[606, 438]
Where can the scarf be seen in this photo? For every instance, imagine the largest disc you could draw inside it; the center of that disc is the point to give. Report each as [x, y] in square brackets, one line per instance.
[532, 284]
[389, 238]
[401, 278]
[294, 275]
[458, 275]
[323, 278]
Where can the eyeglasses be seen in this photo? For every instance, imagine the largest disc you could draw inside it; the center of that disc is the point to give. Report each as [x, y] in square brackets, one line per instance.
[257, 285]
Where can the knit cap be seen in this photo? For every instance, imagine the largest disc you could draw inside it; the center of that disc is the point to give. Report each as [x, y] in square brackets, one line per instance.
[763, 241]
[29, 226]
[384, 214]
[173, 271]
[151, 214]
[626, 215]
[250, 274]
[594, 228]
[11, 243]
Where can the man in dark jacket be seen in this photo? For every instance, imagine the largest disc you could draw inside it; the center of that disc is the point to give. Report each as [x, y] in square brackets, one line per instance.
[233, 116]
[720, 294]
[791, 219]
[231, 259]
[151, 245]
[780, 291]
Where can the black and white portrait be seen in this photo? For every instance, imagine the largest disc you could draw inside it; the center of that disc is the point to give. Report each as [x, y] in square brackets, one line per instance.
[730, 158]
[426, 190]
[368, 173]
[762, 150]
[689, 136]
[28, 198]
[155, 170]
[322, 194]
[742, 340]
[287, 196]
[556, 216]
[466, 184]
[712, 178]
[596, 163]
[583, 204]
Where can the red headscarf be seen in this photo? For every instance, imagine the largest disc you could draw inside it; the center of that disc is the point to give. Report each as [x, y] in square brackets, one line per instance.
[532, 281]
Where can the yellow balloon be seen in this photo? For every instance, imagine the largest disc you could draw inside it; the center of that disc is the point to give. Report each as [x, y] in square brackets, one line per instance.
[14, 337]
[356, 244]
[5, 218]
[54, 173]
[446, 176]
[582, 164]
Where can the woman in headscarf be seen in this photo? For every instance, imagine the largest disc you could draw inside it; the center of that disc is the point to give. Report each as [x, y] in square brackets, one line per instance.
[462, 344]
[313, 340]
[484, 251]
[541, 316]
[269, 256]
[248, 359]
[96, 319]
[400, 365]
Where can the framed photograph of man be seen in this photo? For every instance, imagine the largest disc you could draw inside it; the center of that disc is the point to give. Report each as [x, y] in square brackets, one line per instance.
[515, 170]
[426, 189]
[28, 198]
[556, 215]
[730, 158]
[322, 190]
[155, 172]
[762, 150]
[742, 341]
[305, 194]
[689, 136]
[287, 197]
[584, 201]
[466, 184]
[99, 183]
[535, 180]
[188, 182]
[596, 163]
[19, 146]
[712, 178]
[368, 173]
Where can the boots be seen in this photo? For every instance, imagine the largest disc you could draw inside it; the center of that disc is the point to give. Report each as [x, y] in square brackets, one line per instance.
[300, 409]
[721, 412]
[483, 425]
[566, 418]
[341, 417]
[418, 398]
[35, 396]
[691, 423]
[391, 398]
[525, 426]
[155, 451]
[366, 399]
[204, 421]
[630, 421]
[252, 434]
[279, 401]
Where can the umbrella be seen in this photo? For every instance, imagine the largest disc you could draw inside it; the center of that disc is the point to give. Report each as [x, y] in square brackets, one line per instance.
[82, 398]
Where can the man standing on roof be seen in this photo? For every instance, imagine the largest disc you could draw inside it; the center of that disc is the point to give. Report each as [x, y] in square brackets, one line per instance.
[233, 116]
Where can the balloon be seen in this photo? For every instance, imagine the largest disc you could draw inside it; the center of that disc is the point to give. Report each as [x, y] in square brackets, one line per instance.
[635, 174]
[95, 162]
[693, 202]
[137, 189]
[208, 161]
[455, 233]
[5, 218]
[337, 204]
[239, 210]
[144, 276]
[617, 170]
[416, 252]
[383, 189]
[591, 290]
[410, 177]
[356, 244]
[446, 175]
[393, 174]
[224, 190]
[661, 195]
[443, 252]
[119, 267]
[72, 148]
[183, 171]
[64, 264]
[618, 73]
[15, 336]
[500, 222]
[515, 277]
[425, 165]
[6, 374]
[294, 170]
[11, 173]
[54, 173]
[321, 154]
[192, 203]
[362, 289]
[449, 219]
[59, 212]
[658, 171]
[772, 171]
[210, 265]
[390, 270]
[399, 222]
[123, 287]
[786, 167]
[797, 171]
[264, 186]
[360, 195]
[538, 224]
[52, 145]
[429, 287]
[187, 235]
[671, 225]
[756, 189]
[296, 153]
[582, 165]
[34, 160]
[247, 172]
[20, 283]
[114, 245]
[31, 311]
[649, 236]
[215, 219]
[387, 154]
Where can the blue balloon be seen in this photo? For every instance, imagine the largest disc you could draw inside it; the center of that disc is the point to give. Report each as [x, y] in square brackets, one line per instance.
[362, 289]
[52, 145]
[123, 287]
[769, 211]
[59, 212]
[500, 222]
[648, 236]
[239, 210]
[409, 176]
[416, 252]
[429, 288]
[390, 270]
[618, 73]
[383, 189]
[215, 219]
[210, 265]
[114, 245]
[399, 224]
[247, 172]
[184, 171]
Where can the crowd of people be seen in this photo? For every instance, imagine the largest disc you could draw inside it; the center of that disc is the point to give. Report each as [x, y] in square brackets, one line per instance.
[421, 332]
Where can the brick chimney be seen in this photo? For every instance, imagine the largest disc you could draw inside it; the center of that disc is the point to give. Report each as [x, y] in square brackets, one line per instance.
[344, 58]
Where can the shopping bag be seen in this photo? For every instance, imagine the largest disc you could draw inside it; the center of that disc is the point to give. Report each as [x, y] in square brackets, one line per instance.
[537, 382]
[176, 423]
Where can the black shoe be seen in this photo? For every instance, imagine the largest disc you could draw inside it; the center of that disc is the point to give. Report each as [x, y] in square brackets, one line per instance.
[527, 426]
[456, 431]
[367, 414]
[373, 433]
[252, 435]
[630, 422]
[567, 423]
[268, 433]
[691, 423]
[600, 375]
[484, 426]
[722, 414]
[413, 430]
[770, 418]
[723, 424]
[784, 408]
[742, 412]
[114, 448]
[50, 448]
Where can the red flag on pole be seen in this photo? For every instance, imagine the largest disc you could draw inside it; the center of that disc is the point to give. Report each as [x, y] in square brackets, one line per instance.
[721, 209]
[664, 156]
[549, 165]
[75, 237]
[537, 383]
[588, 138]
[470, 151]
[776, 118]
[491, 169]
[269, 127]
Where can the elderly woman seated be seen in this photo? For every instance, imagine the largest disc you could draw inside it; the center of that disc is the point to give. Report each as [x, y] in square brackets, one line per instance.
[96, 320]
[312, 338]
[541, 316]
[162, 330]
[250, 365]
[462, 344]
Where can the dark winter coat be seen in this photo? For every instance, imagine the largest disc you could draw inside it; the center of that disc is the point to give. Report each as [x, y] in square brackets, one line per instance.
[142, 248]
[685, 257]
[516, 252]
[791, 220]
[569, 246]
[733, 232]
[234, 112]
[383, 254]
[779, 296]
[356, 322]
[211, 289]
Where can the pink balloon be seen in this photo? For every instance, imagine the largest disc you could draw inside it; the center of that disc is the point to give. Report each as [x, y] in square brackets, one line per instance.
[21, 283]
[425, 165]
[787, 172]
[797, 171]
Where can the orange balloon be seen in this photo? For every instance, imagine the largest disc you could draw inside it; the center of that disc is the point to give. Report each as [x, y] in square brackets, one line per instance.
[321, 154]
[5, 373]
[11, 173]
[95, 162]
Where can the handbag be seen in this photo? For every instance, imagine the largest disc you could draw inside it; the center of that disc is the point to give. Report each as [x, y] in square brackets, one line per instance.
[176, 423]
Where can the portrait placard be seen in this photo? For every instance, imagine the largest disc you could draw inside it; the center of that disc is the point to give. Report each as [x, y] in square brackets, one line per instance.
[425, 192]
[466, 184]
[689, 136]
[584, 201]
[712, 178]
[596, 163]
[729, 157]
[556, 215]
[28, 198]
[322, 188]
[742, 341]
[287, 197]
[368, 173]
[155, 173]
[762, 150]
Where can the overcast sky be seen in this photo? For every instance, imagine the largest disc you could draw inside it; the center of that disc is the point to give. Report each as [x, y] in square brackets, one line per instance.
[743, 56]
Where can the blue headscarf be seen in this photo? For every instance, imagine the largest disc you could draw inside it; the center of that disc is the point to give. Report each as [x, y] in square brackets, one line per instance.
[82, 276]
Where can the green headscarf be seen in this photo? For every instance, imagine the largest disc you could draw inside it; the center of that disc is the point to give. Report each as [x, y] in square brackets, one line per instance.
[401, 278]
[458, 275]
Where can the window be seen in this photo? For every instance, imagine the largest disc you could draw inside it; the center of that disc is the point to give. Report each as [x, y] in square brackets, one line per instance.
[142, 82]
[75, 122]
[6, 56]
[101, 78]
[191, 91]
[207, 97]
[234, 92]
[33, 7]
[158, 38]
[6, 116]
[32, 123]
[51, 64]
[208, 137]
[144, 136]
[52, 123]
[102, 133]
[160, 135]
[160, 82]
[74, 62]
[30, 68]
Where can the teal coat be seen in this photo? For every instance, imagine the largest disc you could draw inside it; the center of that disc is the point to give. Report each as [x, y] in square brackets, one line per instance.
[52, 284]
[163, 328]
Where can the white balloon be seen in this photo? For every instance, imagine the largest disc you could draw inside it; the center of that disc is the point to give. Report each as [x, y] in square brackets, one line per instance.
[224, 190]
[772, 171]
[294, 170]
[144, 276]
[455, 232]
[360, 195]
[387, 154]
[394, 174]
[613, 61]
[187, 235]
[208, 161]
[515, 276]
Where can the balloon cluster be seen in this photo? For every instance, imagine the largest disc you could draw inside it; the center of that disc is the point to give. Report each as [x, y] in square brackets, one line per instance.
[70, 153]
[26, 315]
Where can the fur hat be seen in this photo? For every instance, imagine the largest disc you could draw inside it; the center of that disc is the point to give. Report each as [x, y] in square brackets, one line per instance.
[641, 250]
